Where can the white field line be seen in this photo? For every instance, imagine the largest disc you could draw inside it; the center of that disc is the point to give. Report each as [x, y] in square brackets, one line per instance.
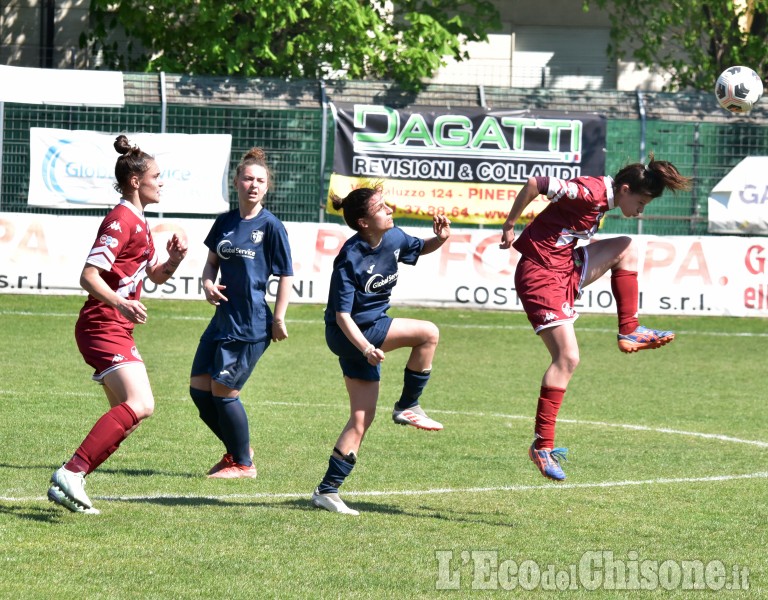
[473, 490]
[758, 334]
[711, 436]
[428, 492]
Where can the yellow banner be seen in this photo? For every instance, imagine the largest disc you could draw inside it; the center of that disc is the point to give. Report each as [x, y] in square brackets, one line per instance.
[474, 203]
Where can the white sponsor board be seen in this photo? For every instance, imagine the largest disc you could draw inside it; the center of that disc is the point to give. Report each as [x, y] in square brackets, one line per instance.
[739, 202]
[712, 275]
[69, 87]
[76, 169]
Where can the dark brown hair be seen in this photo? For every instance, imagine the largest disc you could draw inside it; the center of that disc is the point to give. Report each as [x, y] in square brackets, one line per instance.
[254, 156]
[133, 161]
[652, 179]
[355, 205]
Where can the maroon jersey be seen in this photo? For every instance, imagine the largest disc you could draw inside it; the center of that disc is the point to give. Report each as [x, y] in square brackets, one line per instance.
[123, 249]
[576, 208]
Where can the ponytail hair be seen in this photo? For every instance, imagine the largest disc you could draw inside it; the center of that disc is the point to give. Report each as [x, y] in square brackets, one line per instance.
[652, 179]
[132, 161]
[354, 206]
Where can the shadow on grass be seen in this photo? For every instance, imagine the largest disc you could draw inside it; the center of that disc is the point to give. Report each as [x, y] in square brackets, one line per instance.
[109, 471]
[28, 512]
[422, 512]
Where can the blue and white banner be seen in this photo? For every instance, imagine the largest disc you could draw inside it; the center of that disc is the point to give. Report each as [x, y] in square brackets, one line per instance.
[739, 202]
[76, 169]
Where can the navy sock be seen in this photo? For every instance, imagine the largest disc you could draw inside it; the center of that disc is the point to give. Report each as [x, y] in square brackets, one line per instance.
[233, 423]
[338, 470]
[207, 409]
[413, 384]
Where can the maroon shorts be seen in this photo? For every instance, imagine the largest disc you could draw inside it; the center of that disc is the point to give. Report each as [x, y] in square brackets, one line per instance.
[548, 296]
[106, 348]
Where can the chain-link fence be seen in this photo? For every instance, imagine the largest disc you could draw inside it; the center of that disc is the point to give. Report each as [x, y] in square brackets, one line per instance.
[291, 120]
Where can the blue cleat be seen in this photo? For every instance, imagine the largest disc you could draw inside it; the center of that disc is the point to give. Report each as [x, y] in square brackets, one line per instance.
[548, 461]
[644, 338]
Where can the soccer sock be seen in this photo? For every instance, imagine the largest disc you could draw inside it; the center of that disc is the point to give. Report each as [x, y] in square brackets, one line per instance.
[103, 439]
[414, 383]
[550, 400]
[338, 470]
[233, 424]
[625, 290]
[203, 400]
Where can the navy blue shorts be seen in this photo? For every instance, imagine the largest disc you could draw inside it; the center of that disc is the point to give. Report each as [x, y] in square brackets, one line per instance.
[228, 362]
[353, 364]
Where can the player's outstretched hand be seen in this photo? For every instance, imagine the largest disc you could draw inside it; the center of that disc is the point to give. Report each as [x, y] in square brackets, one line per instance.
[441, 226]
[134, 311]
[213, 294]
[507, 237]
[279, 331]
[177, 248]
[376, 357]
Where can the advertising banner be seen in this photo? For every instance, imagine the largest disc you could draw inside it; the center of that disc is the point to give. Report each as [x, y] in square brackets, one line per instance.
[466, 163]
[678, 275]
[739, 202]
[69, 87]
[76, 169]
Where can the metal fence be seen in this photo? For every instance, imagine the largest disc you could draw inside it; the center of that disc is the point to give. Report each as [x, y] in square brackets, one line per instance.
[291, 120]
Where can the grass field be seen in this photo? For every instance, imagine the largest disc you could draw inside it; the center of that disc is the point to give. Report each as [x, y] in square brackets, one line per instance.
[666, 477]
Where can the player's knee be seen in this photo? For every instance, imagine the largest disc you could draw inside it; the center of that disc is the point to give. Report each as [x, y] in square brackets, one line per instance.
[143, 408]
[432, 334]
[628, 248]
[361, 422]
[570, 361]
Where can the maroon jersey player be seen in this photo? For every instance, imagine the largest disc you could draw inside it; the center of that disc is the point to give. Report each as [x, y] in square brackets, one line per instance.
[552, 272]
[122, 255]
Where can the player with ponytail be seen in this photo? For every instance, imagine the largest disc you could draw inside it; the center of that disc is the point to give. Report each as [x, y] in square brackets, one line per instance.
[552, 272]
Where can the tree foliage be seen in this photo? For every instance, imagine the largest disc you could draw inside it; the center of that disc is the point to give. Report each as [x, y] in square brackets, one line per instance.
[693, 41]
[405, 41]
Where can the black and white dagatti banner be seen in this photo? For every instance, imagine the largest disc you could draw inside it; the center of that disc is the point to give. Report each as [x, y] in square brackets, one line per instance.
[468, 163]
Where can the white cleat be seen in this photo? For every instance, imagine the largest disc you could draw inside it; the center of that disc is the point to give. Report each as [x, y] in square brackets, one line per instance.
[68, 490]
[416, 417]
[332, 503]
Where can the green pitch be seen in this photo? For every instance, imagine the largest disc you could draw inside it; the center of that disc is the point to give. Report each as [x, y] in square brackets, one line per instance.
[667, 483]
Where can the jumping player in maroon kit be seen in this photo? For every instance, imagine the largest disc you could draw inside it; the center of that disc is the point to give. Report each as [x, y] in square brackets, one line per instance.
[552, 273]
[121, 257]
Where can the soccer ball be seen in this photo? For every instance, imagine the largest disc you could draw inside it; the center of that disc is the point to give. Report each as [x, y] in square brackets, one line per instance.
[738, 89]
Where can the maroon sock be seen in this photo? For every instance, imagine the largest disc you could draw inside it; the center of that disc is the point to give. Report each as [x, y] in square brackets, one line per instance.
[546, 415]
[625, 290]
[103, 439]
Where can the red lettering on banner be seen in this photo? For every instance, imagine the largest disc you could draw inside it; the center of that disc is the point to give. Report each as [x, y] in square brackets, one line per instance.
[756, 297]
[446, 254]
[328, 243]
[160, 230]
[695, 255]
[483, 193]
[170, 228]
[493, 242]
[34, 240]
[754, 260]
[658, 255]
[7, 229]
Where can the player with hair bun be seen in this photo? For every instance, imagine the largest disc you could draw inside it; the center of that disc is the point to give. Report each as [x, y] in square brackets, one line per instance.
[359, 331]
[121, 256]
[247, 245]
[552, 272]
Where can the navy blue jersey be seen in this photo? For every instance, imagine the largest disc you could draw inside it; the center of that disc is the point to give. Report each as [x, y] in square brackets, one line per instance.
[249, 251]
[363, 277]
